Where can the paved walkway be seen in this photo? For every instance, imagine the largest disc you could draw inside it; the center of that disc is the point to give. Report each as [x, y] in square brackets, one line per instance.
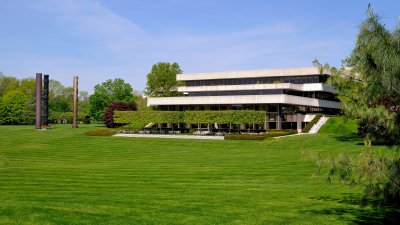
[171, 136]
[314, 129]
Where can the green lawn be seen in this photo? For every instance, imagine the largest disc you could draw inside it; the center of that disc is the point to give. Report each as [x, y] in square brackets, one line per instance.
[61, 176]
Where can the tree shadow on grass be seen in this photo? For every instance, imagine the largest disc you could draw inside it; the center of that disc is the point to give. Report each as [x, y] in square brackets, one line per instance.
[350, 137]
[355, 137]
[368, 212]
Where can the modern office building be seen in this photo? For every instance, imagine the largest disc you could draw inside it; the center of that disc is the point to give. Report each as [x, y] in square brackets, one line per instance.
[290, 97]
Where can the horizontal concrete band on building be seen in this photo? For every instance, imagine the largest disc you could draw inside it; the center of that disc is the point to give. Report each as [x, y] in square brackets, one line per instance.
[290, 97]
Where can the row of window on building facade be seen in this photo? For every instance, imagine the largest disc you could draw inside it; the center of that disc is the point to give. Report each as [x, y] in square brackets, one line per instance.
[260, 80]
[270, 109]
[308, 94]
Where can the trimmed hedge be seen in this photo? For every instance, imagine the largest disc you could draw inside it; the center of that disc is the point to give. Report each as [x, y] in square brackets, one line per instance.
[108, 117]
[141, 118]
[276, 133]
[100, 132]
[245, 136]
[307, 128]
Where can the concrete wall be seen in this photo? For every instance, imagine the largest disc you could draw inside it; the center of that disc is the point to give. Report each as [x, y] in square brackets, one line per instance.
[243, 99]
[251, 73]
[287, 86]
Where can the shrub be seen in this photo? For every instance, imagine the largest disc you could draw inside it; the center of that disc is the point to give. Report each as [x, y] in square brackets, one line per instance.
[277, 133]
[245, 136]
[274, 133]
[100, 132]
[193, 117]
[307, 128]
[109, 114]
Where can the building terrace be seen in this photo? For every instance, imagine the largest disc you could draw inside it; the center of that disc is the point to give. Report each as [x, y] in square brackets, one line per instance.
[290, 97]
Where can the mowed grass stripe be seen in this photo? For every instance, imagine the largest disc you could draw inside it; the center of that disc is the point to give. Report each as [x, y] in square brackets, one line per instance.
[61, 176]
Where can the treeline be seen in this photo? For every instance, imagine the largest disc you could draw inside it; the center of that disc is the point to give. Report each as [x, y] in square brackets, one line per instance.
[17, 101]
[17, 97]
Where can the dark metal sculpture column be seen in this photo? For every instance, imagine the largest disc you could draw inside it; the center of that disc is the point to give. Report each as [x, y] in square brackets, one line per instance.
[38, 100]
[45, 101]
[75, 104]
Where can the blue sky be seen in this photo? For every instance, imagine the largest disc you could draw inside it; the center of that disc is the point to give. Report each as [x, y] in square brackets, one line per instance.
[102, 39]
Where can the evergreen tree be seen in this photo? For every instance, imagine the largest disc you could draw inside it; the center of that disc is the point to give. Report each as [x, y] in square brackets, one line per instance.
[368, 85]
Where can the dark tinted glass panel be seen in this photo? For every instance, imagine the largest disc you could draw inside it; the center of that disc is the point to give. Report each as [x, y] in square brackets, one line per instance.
[272, 108]
[261, 80]
[274, 79]
[286, 80]
[265, 80]
[323, 78]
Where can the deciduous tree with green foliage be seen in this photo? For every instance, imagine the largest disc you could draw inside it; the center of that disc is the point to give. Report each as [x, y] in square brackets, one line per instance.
[161, 81]
[13, 107]
[368, 85]
[60, 100]
[104, 94]
[8, 83]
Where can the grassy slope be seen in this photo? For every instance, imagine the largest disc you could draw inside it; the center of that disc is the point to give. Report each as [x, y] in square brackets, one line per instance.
[61, 176]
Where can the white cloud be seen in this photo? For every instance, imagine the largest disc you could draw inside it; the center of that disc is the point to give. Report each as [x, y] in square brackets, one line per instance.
[91, 20]
[133, 50]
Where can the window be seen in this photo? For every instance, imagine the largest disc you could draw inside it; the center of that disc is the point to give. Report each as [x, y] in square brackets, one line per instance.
[272, 108]
[286, 80]
[304, 80]
[310, 79]
[274, 79]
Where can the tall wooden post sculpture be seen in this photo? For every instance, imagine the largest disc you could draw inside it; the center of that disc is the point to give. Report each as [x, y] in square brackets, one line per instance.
[45, 101]
[38, 100]
[75, 104]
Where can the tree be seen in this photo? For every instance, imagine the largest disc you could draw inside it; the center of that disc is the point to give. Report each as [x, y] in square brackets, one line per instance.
[8, 84]
[104, 94]
[368, 85]
[142, 104]
[13, 107]
[371, 90]
[161, 81]
[120, 106]
[60, 99]
[83, 106]
[28, 87]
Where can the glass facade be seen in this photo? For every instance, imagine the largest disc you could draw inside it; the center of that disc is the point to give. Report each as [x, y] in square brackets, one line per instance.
[260, 80]
[278, 116]
[307, 94]
[272, 110]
